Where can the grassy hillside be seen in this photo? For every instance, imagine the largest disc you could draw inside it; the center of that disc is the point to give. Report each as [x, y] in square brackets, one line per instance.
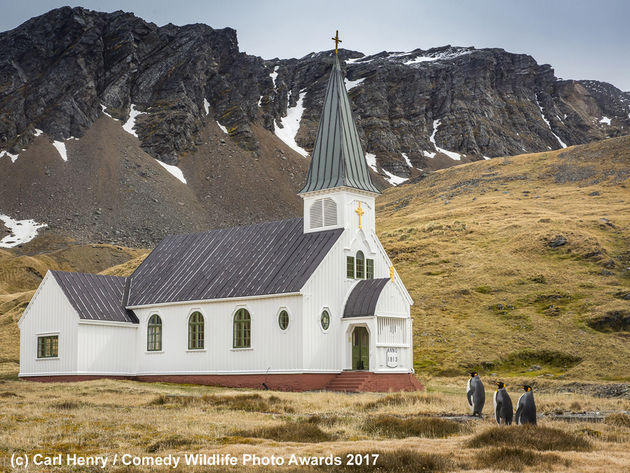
[518, 266]
[22, 269]
[513, 261]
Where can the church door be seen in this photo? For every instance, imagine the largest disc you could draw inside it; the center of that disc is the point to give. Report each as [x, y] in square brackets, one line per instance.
[360, 349]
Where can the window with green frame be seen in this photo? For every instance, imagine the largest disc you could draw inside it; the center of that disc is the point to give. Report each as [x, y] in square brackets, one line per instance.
[154, 333]
[325, 320]
[360, 265]
[369, 269]
[350, 267]
[242, 329]
[48, 346]
[283, 320]
[195, 331]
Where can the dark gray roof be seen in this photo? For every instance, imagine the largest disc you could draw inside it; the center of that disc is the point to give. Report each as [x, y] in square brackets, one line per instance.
[267, 258]
[363, 298]
[338, 158]
[95, 297]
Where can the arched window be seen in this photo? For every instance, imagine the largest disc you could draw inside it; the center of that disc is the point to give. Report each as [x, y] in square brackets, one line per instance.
[283, 320]
[154, 333]
[195, 331]
[242, 329]
[360, 262]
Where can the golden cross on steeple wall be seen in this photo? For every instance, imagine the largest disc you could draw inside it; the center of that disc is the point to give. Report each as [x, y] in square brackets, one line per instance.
[359, 212]
[336, 40]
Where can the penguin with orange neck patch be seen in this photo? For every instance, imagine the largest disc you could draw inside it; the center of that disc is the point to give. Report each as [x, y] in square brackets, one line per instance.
[526, 407]
[475, 394]
[503, 409]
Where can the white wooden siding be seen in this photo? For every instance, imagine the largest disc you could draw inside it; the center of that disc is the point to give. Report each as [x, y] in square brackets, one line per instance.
[107, 349]
[49, 314]
[272, 350]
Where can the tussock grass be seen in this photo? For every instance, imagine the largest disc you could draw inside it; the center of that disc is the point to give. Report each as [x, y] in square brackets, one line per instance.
[288, 432]
[401, 460]
[67, 405]
[530, 436]
[516, 459]
[618, 420]
[394, 427]
[245, 402]
[400, 399]
[169, 443]
[323, 420]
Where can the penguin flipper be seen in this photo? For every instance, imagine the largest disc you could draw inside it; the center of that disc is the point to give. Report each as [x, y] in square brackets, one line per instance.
[470, 390]
[519, 411]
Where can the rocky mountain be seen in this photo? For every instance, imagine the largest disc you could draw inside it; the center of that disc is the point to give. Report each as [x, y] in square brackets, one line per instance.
[75, 85]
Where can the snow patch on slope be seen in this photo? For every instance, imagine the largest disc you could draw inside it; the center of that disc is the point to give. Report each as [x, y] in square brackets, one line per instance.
[130, 124]
[605, 120]
[38, 132]
[450, 154]
[274, 75]
[103, 107]
[393, 179]
[371, 160]
[22, 231]
[61, 149]
[351, 84]
[291, 125]
[404, 155]
[10, 155]
[429, 154]
[174, 170]
[223, 129]
[549, 124]
[206, 105]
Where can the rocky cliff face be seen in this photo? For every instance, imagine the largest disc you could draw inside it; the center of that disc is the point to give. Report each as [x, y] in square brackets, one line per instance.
[171, 86]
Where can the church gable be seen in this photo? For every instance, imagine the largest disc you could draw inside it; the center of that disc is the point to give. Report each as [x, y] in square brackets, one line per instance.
[253, 260]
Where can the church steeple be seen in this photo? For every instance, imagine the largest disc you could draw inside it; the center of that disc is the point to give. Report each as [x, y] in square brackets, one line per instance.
[337, 159]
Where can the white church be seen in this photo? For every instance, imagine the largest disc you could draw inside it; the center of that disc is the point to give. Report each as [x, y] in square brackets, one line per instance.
[301, 304]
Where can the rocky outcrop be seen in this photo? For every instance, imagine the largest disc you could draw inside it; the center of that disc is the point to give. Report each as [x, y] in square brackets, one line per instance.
[417, 110]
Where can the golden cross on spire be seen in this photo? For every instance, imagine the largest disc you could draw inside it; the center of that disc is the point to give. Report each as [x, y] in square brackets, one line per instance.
[336, 40]
[359, 212]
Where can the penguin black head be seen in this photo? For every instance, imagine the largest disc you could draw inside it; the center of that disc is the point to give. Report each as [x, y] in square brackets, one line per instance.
[500, 384]
[526, 388]
[473, 374]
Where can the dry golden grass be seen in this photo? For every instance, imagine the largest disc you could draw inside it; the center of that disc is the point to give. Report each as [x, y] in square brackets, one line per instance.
[107, 417]
[471, 245]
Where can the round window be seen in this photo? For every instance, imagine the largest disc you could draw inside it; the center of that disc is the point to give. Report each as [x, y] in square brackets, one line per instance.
[283, 320]
[325, 320]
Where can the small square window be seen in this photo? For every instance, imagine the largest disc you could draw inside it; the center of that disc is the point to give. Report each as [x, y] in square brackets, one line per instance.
[48, 346]
[369, 269]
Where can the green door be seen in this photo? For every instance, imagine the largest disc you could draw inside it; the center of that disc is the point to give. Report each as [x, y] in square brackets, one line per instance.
[360, 349]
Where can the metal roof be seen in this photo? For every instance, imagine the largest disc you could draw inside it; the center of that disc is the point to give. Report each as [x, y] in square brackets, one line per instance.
[337, 158]
[95, 297]
[363, 298]
[267, 258]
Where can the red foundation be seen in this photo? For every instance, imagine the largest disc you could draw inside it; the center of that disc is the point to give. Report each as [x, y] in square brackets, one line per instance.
[369, 382]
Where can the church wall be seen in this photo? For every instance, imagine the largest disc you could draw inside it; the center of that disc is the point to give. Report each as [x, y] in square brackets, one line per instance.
[107, 349]
[326, 289]
[49, 313]
[272, 349]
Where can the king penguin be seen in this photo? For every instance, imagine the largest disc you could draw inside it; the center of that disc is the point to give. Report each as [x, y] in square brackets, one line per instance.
[526, 407]
[503, 409]
[476, 394]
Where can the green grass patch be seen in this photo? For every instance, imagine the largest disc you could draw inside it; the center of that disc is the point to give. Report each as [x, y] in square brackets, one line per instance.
[522, 361]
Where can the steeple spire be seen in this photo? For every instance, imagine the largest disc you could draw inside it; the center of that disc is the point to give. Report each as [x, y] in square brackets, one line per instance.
[337, 159]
